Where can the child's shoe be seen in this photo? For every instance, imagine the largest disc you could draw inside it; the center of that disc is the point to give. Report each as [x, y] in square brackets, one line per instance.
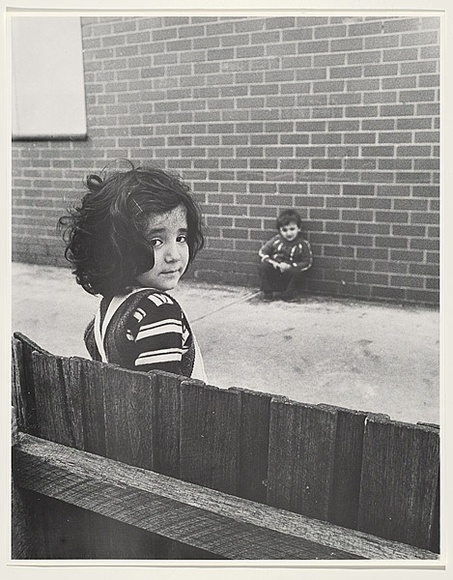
[290, 297]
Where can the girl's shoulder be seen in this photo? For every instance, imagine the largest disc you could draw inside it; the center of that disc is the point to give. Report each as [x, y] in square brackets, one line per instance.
[146, 306]
[149, 300]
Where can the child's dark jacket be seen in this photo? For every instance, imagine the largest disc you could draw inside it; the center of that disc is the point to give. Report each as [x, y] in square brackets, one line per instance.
[296, 253]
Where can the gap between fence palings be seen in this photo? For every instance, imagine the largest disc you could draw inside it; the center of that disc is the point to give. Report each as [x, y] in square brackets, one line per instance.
[223, 524]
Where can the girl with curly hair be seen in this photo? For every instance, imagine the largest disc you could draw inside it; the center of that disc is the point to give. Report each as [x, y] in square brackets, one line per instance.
[130, 241]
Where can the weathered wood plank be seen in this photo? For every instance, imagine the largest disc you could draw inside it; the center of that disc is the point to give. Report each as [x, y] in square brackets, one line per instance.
[399, 481]
[58, 407]
[59, 418]
[90, 378]
[301, 457]
[253, 444]
[167, 423]
[23, 390]
[435, 536]
[128, 410]
[129, 399]
[167, 452]
[347, 470]
[344, 501]
[209, 436]
[233, 527]
[26, 541]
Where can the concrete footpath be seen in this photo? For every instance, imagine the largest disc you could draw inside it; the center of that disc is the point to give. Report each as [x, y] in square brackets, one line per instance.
[368, 357]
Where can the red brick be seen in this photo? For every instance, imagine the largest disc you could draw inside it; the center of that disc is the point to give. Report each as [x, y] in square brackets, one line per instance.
[420, 296]
[330, 31]
[328, 86]
[373, 253]
[406, 255]
[378, 151]
[411, 204]
[407, 281]
[425, 218]
[399, 82]
[363, 85]
[357, 215]
[424, 244]
[401, 25]
[373, 278]
[400, 54]
[338, 251]
[392, 242]
[375, 203]
[365, 29]
[380, 97]
[398, 294]
[347, 44]
[377, 177]
[297, 34]
[357, 240]
[420, 38]
[417, 96]
[365, 111]
[414, 177]
[360, 164]
[345, 99]
[359, 138]
[380, 70]
[419, 67]
[430, 52]
[391, 267]
[306, 47]
[323, 60]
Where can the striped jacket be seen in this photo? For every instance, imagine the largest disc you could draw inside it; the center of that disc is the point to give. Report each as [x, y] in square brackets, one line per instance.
[148, 331]
[296, 253]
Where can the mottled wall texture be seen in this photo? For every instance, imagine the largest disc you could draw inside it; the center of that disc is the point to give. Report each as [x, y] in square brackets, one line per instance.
[335, 116]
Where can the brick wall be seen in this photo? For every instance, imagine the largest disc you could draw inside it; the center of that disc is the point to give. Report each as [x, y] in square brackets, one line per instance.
[337, 117]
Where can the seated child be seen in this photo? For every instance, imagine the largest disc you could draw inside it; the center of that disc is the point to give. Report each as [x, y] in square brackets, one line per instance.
[130, 241]
[284, 257]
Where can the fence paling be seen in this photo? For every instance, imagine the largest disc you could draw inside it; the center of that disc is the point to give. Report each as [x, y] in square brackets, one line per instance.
[226, 525]
[312, 457]
[301, 444]
[210, 437]
[399, 481]
[254, 445]
[347, 467]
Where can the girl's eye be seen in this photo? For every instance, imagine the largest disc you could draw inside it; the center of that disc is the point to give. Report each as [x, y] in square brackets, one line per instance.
[182, 238]
[156, 243]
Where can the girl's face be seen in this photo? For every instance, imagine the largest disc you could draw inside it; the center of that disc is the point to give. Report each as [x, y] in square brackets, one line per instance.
[167, 234]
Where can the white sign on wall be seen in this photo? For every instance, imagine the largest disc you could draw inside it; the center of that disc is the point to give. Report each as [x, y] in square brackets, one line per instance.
[48, 100]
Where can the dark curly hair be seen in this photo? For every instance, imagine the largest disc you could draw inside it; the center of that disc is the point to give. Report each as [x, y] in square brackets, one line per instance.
[105, 235]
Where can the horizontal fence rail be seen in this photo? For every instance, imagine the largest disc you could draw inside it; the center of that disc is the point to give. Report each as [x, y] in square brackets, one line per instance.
[329, 465]
[223, 524]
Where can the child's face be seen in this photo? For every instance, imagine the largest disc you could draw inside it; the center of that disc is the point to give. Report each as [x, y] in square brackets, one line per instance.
[167, 234]
[290, 231]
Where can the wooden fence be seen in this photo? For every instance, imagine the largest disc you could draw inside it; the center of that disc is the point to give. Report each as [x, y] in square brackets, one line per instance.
[116, 464]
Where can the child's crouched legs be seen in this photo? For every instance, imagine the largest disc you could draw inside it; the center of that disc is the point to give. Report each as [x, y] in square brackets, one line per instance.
[294, 279]
[270, 278]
